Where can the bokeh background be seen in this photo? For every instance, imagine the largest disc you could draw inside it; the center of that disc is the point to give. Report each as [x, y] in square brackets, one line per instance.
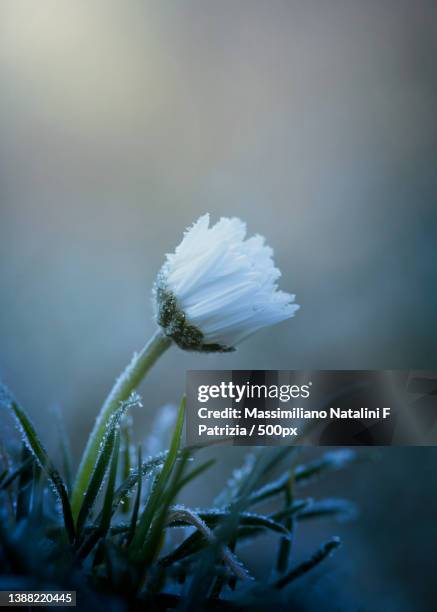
[122, 122]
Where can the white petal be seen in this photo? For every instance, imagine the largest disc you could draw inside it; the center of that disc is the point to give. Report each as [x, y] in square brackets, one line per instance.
[224, 283]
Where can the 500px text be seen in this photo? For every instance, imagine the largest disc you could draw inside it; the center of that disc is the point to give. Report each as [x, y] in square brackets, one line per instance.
[255, 430]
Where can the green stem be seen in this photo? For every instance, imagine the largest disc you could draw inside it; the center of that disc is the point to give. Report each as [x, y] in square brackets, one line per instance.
[123, 387]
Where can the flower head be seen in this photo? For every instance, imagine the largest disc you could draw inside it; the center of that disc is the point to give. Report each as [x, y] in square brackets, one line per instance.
[218, 287]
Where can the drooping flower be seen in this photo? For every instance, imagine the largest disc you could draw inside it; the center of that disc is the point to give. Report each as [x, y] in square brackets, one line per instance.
[218, 287]
[214, 291]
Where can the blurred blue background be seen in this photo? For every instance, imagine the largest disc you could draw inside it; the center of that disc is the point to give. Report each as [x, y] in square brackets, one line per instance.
[314, 122]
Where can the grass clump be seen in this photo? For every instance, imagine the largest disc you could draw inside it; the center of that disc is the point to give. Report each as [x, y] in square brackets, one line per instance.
[117, 553]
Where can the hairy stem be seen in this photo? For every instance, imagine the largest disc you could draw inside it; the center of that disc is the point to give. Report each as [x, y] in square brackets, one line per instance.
[123, 387]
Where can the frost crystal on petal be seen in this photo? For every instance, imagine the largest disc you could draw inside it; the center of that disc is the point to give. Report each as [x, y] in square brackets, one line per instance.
[218, 287]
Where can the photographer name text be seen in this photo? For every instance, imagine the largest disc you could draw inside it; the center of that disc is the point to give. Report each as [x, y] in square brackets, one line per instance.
[253, 421]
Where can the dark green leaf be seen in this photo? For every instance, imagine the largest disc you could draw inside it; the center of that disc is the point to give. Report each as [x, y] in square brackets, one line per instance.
[24, 486]
[249, 525]
[126, 457]
[275, 457]
[333, 460]
[246, 519]
[285, 544]
[109, 495]
[320, 555]
[342, 509]
[160, 483]
[35, 446]
[92, 536]
[148, 466]
[195, 473]
[269, 490]
[292, 510]
[103, 459]
[155, 537]
[65, 450]
[96, 480]
[136, 508]
[13, 475]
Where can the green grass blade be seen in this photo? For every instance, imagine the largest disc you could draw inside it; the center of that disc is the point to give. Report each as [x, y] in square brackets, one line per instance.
[104, 524]
[155, 537]
[250, 531]
[37, 493]
[24, 487]
[65, 450]
[341, 509]
[100, 470]
[194, 542]
[272, 489]
[126, 434]
[249, 525]
[246, 519]
[277, 456]
[8, 480]
[147, 467]
[174, 446]
[160, 483]
[293, 509]
[285, 543]
[136, 508]
[96, 480]
[265, 462]
[331, 461]
[320, 555]
[195, 519]
[90, 537]
[195, 473]
[35, 446]
[109, 495]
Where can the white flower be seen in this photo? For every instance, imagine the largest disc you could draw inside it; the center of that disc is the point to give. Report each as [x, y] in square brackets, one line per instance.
[218, 288]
